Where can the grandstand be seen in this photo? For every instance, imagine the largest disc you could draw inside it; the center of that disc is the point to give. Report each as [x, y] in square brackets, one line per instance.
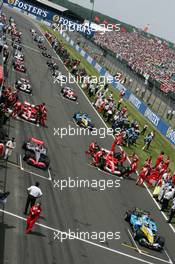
[146, 56]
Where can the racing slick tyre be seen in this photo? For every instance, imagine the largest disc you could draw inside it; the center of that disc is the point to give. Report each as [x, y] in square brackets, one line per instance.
[102, 163]
[28, 154]
[118, 155]
[127, 216]
[45, 160]
[161, 241]
[124, 171]
[24, 145]
[139, 235]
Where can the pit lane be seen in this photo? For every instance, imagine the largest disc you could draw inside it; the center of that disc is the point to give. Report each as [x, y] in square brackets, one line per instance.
[103, 210]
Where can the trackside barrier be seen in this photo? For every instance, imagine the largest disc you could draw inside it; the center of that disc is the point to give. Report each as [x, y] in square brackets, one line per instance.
[166, 130]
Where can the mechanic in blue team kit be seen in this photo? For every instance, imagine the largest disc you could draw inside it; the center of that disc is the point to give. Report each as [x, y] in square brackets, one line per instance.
[172, 212]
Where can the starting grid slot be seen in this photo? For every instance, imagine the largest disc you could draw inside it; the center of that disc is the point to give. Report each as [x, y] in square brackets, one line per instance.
[31, 170]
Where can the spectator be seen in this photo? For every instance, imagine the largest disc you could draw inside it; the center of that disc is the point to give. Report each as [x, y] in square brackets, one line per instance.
[149, 57]
[10, 146]
[34, 192]
[172, 212]
[144, 130]
[119, 103]
[166, 198]
[147, 141]
[169, 113]
[172, 114]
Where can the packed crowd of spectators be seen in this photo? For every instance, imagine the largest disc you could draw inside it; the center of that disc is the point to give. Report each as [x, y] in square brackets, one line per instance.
[150, 57]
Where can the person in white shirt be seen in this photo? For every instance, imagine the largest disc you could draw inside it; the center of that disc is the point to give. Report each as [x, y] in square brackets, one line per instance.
[34, 192]
[9, 147]
[166, 198]
[172, 212]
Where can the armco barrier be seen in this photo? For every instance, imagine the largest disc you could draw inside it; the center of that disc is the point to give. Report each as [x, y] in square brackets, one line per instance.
[157, 122]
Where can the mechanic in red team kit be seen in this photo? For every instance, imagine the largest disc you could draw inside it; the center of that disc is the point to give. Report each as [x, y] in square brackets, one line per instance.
[134, 163]
[159, 159]
[93, 148]
[35, 212]
[16, 109]
[42, 114]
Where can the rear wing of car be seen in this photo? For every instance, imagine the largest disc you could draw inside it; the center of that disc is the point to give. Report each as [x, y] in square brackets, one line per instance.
[37, 141]
[140, 211]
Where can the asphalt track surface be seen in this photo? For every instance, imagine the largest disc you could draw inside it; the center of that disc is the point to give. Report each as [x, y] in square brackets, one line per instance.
[82, 209]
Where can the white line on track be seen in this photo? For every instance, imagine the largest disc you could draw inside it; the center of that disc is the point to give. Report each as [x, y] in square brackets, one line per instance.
[50, 175]
[135, 244]
[118, 178]
[153, 257]
[148, 255]
[25, 121]
[20, 162]
[81, 239]
[171, 226]
[36, 174]
[13, 164]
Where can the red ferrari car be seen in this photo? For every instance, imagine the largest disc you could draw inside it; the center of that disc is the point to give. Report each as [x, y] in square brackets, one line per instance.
[69, 93]
[16, 33]
[36, 114]
[28, 112]
[18, 66]
[36, 153]
[42, 47]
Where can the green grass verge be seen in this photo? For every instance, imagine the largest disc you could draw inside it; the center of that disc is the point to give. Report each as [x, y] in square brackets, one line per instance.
[160, 143]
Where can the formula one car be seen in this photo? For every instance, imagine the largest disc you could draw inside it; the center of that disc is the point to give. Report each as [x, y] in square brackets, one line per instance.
[36, 114]
[23, 85]
[18, 56]
[28, 112]
[83, 120]
[106, 160]
[16, 45]
[39, 39]
[144, 229]
[52, 65]
[45, 54]
[58, 76]
[36, 153]
[16, 33]
[69, 93]
[16, 39]
[42, 47]
[18, 66]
